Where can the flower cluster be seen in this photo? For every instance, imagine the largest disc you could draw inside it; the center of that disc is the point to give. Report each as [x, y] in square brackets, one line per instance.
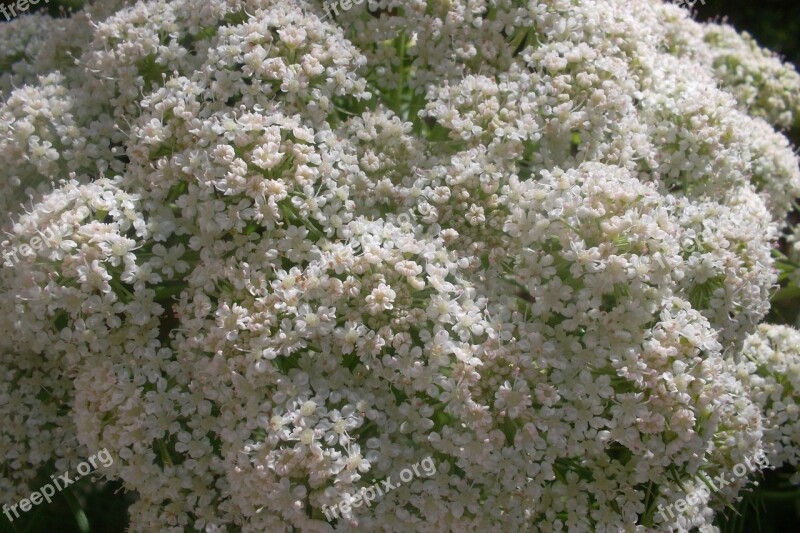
[763, 85]
[770, 372]
[760, 81]
[527, 240]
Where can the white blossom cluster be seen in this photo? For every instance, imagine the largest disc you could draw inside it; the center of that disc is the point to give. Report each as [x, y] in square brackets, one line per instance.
[761, 82]
[770, 372]
[528, 239]
[763, 85]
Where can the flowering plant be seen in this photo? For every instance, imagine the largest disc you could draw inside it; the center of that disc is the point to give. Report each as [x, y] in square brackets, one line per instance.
[531, 240]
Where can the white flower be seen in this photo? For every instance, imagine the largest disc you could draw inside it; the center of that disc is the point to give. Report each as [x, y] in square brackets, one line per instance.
[380, 299]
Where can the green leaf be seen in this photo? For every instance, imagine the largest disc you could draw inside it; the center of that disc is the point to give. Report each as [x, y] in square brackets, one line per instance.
[77, 511]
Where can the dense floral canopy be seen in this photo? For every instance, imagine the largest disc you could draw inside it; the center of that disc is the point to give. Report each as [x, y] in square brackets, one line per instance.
[285, 254]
